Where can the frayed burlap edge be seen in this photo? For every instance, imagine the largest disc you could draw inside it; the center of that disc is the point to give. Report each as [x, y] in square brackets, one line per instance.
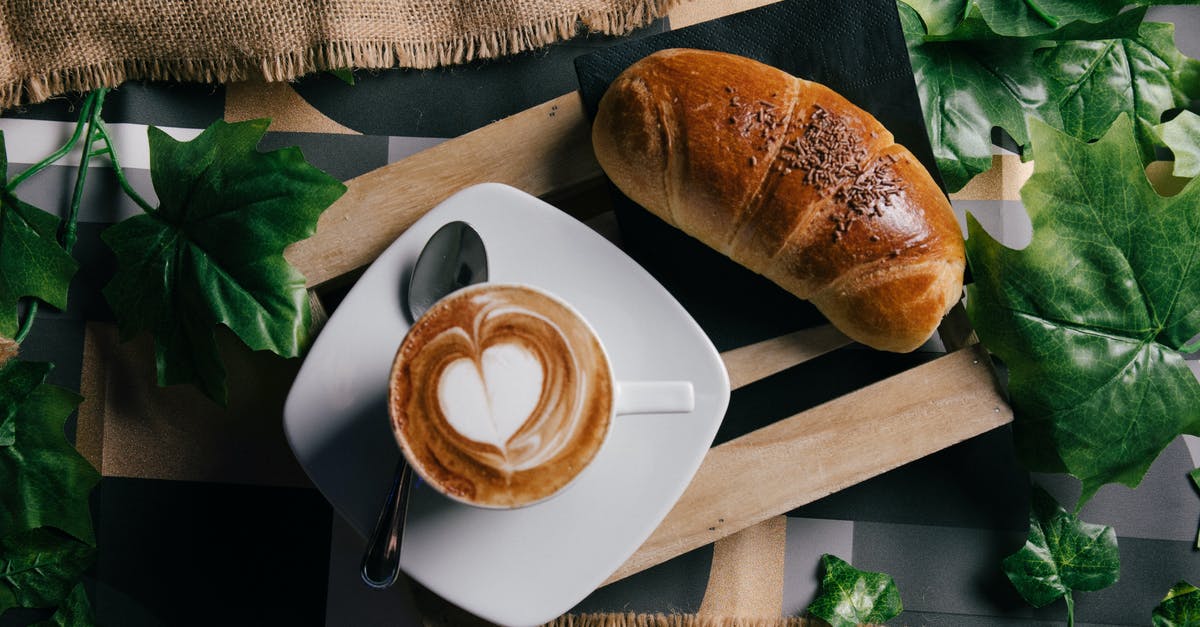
[291, 64]
[676, 620]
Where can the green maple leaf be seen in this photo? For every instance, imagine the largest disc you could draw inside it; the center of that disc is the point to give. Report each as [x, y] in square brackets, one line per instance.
[1180, 608]
[1091, 318]
[39, 568]
[45, 481]
[1182, 136]
[32, 263]
[17, 381]
[1012, 18]
[852, 597]
[212, 253]
[1062, 554]
[1077, 85]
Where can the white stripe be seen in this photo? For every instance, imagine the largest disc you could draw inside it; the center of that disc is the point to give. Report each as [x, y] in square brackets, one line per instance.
[30, 141]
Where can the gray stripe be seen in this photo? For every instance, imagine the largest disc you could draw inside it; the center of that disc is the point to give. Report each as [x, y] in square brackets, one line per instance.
[1005, 220]
[403, 147]
[103, 199]
[807, 540]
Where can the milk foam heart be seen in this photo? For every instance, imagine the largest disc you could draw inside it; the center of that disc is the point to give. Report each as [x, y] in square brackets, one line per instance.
[500, 395]
[488, 401]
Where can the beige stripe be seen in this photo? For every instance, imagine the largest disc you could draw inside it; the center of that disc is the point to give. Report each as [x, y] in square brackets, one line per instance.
[1008, 174]
[1162, 177]
[746, 578]
[89, 429]
[1002, 182]
[688, 13]
[249, 100]
[177, 433]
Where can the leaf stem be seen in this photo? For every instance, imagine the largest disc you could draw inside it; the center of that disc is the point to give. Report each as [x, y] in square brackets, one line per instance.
[62, 151]
[1070, 609]
[27, 323]
[1040, 12]
[108, 149]
[67, 236]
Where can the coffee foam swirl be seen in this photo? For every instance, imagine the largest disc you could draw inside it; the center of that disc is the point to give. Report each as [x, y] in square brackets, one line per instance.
[500, 395]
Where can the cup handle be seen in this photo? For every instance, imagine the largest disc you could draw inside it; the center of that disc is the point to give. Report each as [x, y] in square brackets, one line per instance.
[654, 397]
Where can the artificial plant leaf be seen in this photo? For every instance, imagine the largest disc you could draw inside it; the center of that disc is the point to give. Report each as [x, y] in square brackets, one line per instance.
[46, 482]
[1014, 18]
[1096, 81]
[1182, 136]
[18, 380]
[850, 596]
[212, 253]
[1195, 475]
[1061, 554]
[1180, 608]
[32, 263]
[40, 567]
[1091, 317]
[74, 611]
[968, 88]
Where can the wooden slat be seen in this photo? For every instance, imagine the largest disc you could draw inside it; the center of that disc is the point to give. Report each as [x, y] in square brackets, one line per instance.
[763, 359]
[827, 448]
[541, 150]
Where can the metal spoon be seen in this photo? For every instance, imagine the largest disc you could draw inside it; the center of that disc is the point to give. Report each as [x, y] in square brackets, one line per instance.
[453, 258]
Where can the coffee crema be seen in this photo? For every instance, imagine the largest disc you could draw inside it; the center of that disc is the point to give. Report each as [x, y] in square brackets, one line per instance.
[500, 395]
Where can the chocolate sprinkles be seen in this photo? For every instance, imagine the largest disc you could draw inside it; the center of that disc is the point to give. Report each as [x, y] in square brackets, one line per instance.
[831, 156]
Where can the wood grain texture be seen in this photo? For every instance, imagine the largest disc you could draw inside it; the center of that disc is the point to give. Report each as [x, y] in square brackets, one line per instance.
[827, 448]
[746, 577]
[760, 360]
[543, 149]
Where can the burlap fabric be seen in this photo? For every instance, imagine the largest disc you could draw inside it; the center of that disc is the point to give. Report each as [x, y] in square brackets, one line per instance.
[49, 47]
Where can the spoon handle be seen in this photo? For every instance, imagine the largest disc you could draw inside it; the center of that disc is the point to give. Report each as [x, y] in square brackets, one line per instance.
[381, 561]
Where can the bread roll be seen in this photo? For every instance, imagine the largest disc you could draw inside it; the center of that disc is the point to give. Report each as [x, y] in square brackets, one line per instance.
[791, 180]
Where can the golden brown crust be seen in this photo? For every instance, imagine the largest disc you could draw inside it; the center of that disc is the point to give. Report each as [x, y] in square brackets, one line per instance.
[791, 180]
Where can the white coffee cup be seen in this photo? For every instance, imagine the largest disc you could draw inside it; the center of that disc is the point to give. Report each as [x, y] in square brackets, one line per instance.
[502, 394]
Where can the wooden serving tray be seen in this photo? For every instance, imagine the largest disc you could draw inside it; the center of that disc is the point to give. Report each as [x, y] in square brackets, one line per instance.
[546, 151]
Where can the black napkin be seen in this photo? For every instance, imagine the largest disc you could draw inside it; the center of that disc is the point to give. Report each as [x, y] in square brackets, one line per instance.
[855, 47]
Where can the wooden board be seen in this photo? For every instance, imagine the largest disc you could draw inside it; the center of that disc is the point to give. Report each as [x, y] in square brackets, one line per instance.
[543, 150]
[546, 151]
[829, 447]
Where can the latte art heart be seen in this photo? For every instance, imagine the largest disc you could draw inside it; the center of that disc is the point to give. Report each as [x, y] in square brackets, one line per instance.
[490, 399]
[500, 395]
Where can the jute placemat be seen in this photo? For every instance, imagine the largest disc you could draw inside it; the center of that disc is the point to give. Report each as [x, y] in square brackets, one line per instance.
[49, 47]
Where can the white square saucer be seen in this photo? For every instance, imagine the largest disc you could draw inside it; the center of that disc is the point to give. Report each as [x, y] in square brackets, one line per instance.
[529, 565]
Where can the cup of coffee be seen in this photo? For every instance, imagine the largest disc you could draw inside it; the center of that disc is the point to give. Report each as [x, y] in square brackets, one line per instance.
[501, 394]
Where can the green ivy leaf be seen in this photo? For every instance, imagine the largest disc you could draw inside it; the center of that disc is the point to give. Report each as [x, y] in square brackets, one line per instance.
[852, 597]
[1180, 608]
[1092, 316]
[46, 481]
[346, 75]
[17, 381]
[1062, 554]
[39, 568]
[212, 253]
[74, 611]
[1080, 86]
[1182, 136]
[36, 265]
